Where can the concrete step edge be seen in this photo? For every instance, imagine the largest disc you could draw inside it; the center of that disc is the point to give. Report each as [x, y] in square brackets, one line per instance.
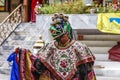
[102, 57]
[107, 78]
[99, 43]
[101, 37]
[100, 50]
[108, 64]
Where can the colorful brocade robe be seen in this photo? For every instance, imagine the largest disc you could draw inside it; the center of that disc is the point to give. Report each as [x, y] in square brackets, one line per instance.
[73, 62]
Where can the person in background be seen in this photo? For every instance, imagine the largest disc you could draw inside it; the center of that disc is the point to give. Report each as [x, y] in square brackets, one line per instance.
[33, 4]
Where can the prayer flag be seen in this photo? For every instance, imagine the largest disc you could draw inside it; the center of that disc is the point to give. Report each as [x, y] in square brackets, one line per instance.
[109, 22]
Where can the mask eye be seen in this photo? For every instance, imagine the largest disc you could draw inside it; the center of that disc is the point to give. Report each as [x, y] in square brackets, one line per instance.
[52, 31]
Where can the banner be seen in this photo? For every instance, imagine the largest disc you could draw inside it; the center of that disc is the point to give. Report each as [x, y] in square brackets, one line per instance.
[109, 22]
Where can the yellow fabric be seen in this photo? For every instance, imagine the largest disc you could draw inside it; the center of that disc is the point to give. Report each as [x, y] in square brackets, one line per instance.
[28, 66]
[106, 26]
[2, 8]
[44, 77]
[94, 78]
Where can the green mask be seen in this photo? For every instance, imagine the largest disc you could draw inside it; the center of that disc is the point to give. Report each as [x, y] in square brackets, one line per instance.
[59, 29]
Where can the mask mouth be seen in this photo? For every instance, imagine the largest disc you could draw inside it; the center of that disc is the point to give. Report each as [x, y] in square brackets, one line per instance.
[55, 34]
[57, 30]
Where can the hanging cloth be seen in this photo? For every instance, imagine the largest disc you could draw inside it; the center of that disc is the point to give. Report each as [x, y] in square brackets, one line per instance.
[15, 68]
[109, 23]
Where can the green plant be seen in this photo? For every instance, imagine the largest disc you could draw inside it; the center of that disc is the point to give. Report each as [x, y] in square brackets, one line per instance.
[68, 8]
[77, 7]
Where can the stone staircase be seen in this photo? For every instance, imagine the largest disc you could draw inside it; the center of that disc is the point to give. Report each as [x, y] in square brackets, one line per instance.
[26, 35]
[105, 69]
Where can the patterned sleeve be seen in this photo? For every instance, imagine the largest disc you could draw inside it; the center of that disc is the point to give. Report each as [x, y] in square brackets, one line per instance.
[38, 65]
[85, 72]
[85, 64]
[84, 54]
[44, 52]
[87, 50]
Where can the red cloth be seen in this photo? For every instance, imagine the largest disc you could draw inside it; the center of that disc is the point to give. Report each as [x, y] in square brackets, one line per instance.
[16, 52]
[114, 52]
[33, 4]
[26, 67]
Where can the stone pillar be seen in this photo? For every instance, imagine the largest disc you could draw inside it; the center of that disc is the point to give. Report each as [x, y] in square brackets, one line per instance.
[25, 10]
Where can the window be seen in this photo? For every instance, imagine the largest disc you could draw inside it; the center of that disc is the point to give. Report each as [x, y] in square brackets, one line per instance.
[2, 5]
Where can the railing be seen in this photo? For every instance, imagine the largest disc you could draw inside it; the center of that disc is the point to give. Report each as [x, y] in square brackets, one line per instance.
[10, 23]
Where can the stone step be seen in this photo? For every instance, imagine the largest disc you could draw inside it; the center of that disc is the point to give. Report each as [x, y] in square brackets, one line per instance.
[102, 73]
[5, 64]
[105, 68]
[27, 29]
[7, 77]
[107, 78]
[5, 67]
[99, 43]
[102, 57]
[18, 43]
[100, 50]
[102, 37]
[4, 77]
[2, 58]
[4, 70]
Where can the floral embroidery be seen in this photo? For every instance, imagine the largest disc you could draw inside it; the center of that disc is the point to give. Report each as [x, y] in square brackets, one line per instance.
[64, 63]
